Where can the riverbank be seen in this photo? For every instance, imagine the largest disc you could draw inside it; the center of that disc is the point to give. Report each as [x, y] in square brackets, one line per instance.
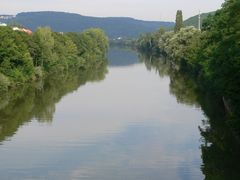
[37, 100]
[126, 117]
[218, 137]
[31, 57]
[211, 55]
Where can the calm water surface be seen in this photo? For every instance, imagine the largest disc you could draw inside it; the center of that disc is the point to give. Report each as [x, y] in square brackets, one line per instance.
[126, 124]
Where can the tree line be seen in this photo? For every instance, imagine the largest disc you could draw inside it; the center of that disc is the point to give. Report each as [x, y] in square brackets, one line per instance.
[25, 58]
[211, 56]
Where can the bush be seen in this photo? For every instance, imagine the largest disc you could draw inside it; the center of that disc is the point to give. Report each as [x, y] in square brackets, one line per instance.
[4, 82]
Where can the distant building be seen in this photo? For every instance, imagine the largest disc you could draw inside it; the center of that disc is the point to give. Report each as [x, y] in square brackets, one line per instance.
[3, 24]
[22, 30]
[16, 28]
[7, 16]
[28, 31]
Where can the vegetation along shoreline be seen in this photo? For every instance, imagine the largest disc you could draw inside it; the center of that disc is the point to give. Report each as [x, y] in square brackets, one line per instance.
[210, 55]
[27, 57]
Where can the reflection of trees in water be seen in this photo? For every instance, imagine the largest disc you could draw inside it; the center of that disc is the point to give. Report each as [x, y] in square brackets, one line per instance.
[220, 147]
[184, 89]
[38, 101]
[220, 152]
[160, 65]
[181, 86]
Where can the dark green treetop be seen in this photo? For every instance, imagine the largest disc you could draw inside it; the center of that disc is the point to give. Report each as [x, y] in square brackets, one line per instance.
[179, 21]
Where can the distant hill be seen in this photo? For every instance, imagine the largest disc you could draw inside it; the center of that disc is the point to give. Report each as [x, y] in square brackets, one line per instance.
[69, 22]
[193, 21]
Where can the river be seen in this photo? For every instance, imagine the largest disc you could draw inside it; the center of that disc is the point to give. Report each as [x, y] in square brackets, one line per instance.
[131, 120]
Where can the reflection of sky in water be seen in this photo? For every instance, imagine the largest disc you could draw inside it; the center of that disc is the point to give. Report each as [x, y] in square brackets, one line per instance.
[126, 127]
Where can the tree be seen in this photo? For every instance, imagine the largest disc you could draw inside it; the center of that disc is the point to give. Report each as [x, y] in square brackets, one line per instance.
[220, 52]
[15, 59]
[179, 21]
[25, 57]
[44, 39]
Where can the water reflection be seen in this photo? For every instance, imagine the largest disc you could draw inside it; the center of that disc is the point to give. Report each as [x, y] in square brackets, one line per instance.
[39, 101]
[118, 57]
[133, 125]
[126, 127]
[220, 146]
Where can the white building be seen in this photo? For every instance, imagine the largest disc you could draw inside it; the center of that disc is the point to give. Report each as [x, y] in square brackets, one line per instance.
[7, 16]
[16, 29]
[3, 24]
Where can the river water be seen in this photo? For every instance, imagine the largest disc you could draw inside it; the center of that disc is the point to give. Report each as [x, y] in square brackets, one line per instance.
[129, 121]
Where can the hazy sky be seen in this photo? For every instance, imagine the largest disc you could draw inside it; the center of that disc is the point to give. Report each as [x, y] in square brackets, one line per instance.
[140, 9]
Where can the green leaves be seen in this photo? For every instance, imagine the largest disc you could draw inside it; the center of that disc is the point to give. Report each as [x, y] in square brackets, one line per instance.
[4, 82]
[222, 44]
[25, 58]
[179, 21]
[16, 61]
[212, 55]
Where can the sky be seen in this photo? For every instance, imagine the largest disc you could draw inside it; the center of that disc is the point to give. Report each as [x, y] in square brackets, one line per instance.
[157, 10]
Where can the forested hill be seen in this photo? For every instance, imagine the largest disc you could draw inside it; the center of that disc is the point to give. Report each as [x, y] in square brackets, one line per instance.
[193, 21]
[69, 22]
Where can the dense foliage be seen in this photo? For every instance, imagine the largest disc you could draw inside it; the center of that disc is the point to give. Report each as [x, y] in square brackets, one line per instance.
[25, 57]
[220, 57]
[179, 21]
[212, 55]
